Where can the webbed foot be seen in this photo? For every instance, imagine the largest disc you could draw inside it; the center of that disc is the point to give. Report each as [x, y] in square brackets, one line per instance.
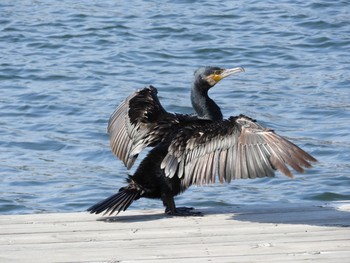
[183, 211]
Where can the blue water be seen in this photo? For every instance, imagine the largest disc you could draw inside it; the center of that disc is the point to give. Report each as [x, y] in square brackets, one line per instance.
[65, 66]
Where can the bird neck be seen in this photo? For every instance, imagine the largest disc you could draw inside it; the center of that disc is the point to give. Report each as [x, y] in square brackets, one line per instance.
[204, 106]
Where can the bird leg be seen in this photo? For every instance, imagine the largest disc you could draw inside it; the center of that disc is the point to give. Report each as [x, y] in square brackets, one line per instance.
[171, 209]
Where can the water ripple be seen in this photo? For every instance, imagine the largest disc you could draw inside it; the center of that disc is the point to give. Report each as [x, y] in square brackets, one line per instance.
[65, 66]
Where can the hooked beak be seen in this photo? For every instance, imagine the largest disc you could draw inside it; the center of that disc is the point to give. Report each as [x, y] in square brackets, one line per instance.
[215, 78]
[229, 72]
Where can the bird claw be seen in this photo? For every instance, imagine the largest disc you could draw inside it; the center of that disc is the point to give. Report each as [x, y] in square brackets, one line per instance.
[183, 211]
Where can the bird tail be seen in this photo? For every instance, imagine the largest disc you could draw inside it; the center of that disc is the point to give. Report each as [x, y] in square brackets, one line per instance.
[117, 202]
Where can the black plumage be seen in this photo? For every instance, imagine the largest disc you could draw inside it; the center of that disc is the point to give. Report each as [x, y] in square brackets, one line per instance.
[191, 149]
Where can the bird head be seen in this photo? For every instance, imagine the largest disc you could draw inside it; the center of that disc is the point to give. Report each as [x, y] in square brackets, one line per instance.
[212, 75]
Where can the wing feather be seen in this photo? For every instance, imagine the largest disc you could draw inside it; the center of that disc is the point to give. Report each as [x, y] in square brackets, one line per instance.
[201, 176]
[264, 154]
[232, 149]
[252, 162]
[243, 156]
[222, 164]
[209, 168]
[138, 122]
[230, 168]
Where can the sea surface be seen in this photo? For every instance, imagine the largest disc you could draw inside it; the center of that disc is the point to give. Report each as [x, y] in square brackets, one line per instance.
[65, 65]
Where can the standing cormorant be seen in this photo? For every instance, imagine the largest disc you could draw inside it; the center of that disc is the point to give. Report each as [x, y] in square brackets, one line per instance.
[191, 149]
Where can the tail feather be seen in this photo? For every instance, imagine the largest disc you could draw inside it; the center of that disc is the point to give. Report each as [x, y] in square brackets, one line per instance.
[128, 200]
[117, 202]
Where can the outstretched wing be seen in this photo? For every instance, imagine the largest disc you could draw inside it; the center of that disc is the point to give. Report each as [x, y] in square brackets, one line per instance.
[138, 122]
[232, 149]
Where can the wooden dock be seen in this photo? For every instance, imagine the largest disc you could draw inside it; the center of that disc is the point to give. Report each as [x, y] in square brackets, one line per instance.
[249, 233]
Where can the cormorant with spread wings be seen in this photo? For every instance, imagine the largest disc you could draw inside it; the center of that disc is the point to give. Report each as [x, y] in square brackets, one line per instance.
[191, 149]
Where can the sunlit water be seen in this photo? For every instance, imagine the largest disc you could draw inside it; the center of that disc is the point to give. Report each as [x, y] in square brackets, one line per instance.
[65, 65]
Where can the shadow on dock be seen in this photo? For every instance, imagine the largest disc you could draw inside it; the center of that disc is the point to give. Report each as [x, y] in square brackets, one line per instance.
[317, 215]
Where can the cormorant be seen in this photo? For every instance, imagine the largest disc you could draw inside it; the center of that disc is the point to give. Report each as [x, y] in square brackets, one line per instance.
[191, 149]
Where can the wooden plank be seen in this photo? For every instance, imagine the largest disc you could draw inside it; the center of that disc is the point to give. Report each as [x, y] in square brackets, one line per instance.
[271, 233]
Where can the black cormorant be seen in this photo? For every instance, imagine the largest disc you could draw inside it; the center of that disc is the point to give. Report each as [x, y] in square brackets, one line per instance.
[191, 149]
